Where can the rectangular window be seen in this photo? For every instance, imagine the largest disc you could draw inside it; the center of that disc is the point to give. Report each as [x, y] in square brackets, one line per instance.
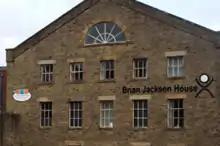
[175, 113]
[107, 70]
[46, 73]
[106, 114]
[46, 114]
[75, 114]
[140, 113]
[76, 71]
[140, 68]
[175, 66]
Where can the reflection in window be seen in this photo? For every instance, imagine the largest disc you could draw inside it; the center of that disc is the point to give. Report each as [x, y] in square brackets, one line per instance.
[106, 114]
[175, 113]
[46, 114]
[75, 114]
[105, 33]
[140, 113]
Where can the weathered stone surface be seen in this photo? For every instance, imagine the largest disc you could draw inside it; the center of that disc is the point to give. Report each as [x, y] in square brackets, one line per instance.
[148, 36]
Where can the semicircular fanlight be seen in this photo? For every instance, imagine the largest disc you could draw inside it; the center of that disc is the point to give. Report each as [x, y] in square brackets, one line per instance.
[104, 33]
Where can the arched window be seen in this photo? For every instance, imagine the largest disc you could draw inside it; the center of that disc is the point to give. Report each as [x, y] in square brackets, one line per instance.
[104, 33]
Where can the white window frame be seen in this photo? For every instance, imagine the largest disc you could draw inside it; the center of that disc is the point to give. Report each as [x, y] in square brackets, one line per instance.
[106, 35]
[170, 112]
[45, 74]
[78, 110]
[140, 118]
[176, 68]
[106, 113]
[46, 118]
[103, 69]
[138, 60]
[73, 71]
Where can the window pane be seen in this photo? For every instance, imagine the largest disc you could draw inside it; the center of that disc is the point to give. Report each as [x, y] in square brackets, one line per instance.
[145, 123]
[181, 113]
[175, 113]
[145, 104]
[140, 104]
[181, 122]
[80, 122]
[145, 114]
[106, 113]
[181, 71]
[170, 71]
[140, 122]
[176, 123]
[135, 113]
[135, 123]
[140, 112]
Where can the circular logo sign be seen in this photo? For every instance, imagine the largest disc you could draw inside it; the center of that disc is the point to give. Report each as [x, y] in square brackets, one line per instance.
[21, 95]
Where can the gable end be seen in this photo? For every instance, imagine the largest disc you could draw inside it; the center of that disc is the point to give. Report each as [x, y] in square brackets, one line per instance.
[154, 13]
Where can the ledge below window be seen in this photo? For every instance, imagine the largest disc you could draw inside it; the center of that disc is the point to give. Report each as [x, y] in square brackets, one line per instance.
[175, 129]
[106, 128]
[107, 81]
[75, 128]
[109, 44]
[138, 79]
[45, 128]
[76, 82]
[140, 129]
[46, 83]
[176, 78]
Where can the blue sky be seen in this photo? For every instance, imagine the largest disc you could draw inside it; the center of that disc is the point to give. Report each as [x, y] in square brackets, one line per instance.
[23, 18]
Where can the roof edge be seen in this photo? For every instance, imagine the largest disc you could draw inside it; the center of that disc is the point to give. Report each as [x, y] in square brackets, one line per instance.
[51, 27]
[172, 20]
[140, 7]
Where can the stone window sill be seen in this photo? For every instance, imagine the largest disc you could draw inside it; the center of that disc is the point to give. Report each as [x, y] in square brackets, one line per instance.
[140, 129]
[139, 79]
[77, 82]
[176, 78]
[46, 83]
[46, 127]
[75, 128]
[107, 81]
[106, 128]
[175, 129]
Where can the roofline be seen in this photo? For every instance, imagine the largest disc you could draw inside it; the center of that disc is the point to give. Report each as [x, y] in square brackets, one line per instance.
[159, 15]
[173, 20]
[50, 28]
[175, 16]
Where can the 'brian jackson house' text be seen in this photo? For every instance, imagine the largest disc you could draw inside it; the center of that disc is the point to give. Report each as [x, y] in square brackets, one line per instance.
[159, 89]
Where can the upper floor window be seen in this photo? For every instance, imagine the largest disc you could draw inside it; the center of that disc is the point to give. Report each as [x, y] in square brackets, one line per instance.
[175, 113]
[46, 114]
[107, 70]
[140, 113]
[140, 68]
[46, 73]
[76, 71]
[104, 33]
[175, 66]
[75, 114]
[106, 114]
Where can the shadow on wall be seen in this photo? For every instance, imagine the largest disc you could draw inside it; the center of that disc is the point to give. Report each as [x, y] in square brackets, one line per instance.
[11, 129]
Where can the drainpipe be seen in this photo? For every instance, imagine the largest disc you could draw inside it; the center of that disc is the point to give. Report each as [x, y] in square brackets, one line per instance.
[1, 111]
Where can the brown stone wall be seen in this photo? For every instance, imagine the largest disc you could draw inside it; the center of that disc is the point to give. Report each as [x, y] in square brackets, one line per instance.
[11, 129]
[149, 37]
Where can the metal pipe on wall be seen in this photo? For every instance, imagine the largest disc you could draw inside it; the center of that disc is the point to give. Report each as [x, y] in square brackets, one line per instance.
[1, 111]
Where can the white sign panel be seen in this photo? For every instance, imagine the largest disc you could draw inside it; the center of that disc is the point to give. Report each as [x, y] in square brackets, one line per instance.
[21, 95]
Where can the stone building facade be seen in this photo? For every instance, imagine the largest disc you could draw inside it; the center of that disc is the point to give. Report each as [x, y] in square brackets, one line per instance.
[86, 73]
